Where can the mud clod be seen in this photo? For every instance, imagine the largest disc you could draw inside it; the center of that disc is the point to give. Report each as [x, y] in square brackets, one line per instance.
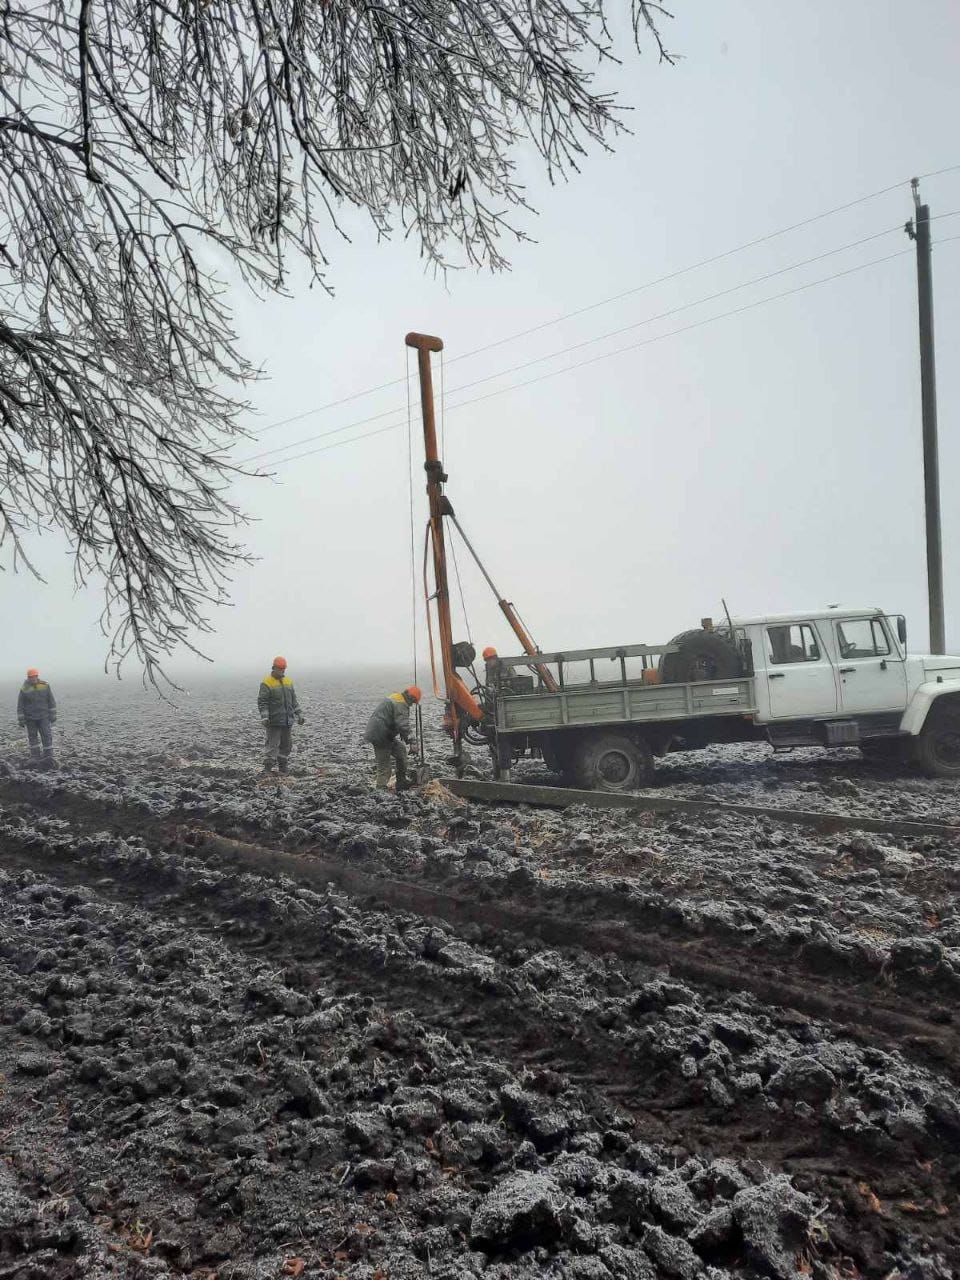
[523, 1211]
[774, 1220]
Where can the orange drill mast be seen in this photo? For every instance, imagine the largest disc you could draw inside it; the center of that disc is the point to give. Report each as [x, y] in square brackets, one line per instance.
[460, 702]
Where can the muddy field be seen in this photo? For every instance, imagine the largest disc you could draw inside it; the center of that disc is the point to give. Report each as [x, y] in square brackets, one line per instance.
[250, 1032]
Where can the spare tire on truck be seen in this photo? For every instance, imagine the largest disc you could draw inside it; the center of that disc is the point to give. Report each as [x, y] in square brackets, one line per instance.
[701, 655]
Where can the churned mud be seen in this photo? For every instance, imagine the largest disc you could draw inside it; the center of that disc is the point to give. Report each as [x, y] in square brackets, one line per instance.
[255, 1032]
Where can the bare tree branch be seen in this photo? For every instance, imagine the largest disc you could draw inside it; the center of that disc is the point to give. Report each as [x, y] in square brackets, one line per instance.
[141, 139]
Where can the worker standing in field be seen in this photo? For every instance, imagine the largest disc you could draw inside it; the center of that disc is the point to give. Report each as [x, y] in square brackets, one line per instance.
[388, 732]
[37, 712]
[279, 708]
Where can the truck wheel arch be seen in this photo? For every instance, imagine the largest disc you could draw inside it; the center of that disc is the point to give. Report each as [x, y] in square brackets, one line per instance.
[937, 748]
[929, 697]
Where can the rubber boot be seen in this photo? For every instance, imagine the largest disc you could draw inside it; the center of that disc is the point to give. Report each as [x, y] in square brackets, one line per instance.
[282, 766]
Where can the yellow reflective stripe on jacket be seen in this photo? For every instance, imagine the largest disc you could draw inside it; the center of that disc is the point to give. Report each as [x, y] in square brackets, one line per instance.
[397, 697]
[273, 683]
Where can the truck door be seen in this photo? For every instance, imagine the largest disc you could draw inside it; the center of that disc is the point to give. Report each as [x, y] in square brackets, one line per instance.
[801, 680]
[872, 674]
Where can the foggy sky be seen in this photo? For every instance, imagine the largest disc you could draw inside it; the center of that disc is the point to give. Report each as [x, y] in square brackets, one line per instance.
[772, 457]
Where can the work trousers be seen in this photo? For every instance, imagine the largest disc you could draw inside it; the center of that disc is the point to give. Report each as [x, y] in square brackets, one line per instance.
[387, 757]
[40, 732]
[279, 744]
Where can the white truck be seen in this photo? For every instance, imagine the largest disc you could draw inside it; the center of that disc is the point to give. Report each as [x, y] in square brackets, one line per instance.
[829, 677]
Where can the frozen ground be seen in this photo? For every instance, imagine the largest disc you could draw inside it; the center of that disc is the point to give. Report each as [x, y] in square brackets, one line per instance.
[318, 1031]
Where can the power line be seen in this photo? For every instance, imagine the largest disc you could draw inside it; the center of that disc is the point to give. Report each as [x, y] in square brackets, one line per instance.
[697, 324]
[335, 431]
[705, 262]
[577, 346]
[685, 306]
[649, 284]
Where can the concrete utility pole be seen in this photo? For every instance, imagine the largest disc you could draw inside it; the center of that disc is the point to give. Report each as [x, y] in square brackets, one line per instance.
[919, 231]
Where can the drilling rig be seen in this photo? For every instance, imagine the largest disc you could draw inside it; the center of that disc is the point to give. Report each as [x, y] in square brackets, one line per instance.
[464, 712]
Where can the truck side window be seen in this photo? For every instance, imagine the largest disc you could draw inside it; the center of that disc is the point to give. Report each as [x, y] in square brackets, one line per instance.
[796, 643]
[862, 638]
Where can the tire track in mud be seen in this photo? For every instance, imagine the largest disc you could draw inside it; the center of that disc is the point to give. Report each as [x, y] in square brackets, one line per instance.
[611, 1069]
[863, 1010]
[497, 1021]
[437, 996]
[502, 1028]
[866, 1019]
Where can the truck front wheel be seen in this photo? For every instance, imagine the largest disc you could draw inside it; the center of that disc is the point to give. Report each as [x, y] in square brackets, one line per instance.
[613, 762]
[938, 747]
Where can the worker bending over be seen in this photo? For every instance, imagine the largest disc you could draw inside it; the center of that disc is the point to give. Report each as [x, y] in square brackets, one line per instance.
[37, 710]
[278, 707]
[388, 732]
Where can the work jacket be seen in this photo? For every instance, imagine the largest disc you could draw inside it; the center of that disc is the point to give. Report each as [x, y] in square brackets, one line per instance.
[277, 702]
[390, 719]
[36, 702]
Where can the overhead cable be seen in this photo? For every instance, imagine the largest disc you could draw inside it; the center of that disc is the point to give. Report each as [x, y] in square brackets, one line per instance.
[649, 284]
[577, 346]
[607, 355]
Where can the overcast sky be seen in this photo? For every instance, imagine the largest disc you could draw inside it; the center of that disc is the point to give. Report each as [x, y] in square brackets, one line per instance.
[771, 457]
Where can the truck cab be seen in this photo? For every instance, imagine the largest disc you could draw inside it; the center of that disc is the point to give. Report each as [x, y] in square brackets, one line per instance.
[844, 676]
[827, 664]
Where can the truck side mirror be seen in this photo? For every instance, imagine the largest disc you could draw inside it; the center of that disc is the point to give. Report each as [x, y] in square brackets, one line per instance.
[902, 629]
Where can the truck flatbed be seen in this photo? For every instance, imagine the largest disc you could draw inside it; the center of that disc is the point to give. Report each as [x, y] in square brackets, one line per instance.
[612, 703]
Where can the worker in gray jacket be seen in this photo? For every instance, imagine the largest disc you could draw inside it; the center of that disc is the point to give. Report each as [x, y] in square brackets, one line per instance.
[388, 732]
[279, 708]
[37, 712]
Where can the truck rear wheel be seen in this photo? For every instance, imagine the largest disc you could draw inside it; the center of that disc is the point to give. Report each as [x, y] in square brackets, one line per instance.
[938, 747]
[703, 655]
[613, 762]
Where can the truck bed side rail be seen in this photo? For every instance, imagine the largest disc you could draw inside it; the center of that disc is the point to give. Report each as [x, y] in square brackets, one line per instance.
[598, 704]
[559, 662]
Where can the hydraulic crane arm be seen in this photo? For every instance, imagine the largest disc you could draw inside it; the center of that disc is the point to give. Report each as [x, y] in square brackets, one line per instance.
[509, 612]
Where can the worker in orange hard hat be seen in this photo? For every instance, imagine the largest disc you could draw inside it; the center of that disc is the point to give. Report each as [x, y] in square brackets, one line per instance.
[388, 732]
[490, 665]
[279, 708]
[37, 712]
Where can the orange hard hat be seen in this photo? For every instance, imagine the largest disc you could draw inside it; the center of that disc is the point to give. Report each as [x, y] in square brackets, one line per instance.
[489, 652]
[413, 692]
[32, 673]
[281, 663]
